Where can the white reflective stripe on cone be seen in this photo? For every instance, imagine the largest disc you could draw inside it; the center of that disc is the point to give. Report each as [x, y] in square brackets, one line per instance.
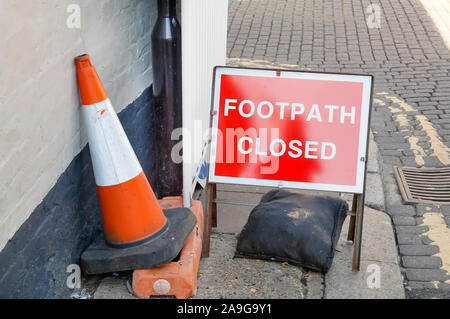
[113, 158]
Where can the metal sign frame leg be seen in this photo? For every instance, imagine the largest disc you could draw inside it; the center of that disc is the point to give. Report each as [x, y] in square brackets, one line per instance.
[210, 218]
[352, 213]
[355, 229]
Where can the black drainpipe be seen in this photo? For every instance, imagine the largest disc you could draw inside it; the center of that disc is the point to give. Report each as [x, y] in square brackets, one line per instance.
[166, 58]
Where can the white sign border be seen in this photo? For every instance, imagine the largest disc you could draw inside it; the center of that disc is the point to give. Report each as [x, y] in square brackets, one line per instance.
[367, 81]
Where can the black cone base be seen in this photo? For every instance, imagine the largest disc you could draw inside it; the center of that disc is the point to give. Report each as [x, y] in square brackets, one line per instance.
[100, 258]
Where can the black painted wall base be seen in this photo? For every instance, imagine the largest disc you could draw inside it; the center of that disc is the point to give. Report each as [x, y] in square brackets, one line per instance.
[33, 263]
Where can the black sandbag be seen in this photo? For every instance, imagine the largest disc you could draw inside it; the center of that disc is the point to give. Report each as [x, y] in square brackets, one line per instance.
[296, 228]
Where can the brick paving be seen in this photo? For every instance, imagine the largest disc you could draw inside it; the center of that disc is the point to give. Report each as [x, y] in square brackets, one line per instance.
[411, 113]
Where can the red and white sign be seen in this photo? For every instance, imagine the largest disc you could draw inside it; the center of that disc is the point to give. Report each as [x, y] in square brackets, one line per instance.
[290, 129]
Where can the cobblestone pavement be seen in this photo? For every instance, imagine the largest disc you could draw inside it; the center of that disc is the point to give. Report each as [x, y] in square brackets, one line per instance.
[411, 113]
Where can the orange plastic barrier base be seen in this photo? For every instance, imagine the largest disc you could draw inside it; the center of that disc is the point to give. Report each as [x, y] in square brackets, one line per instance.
[178, 278]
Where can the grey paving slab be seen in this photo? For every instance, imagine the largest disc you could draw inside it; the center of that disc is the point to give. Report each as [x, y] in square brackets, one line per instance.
[113, 288]
[222, 276]
[378, 253]
[353, 285]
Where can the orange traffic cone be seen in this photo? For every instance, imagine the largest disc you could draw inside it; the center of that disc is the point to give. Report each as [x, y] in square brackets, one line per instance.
[132, 217]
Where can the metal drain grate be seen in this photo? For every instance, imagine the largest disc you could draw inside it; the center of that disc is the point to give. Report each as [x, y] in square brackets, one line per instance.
[424, 185]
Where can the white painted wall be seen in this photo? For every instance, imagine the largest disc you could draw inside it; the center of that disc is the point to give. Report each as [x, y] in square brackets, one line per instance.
[204, 34]
[40, 130]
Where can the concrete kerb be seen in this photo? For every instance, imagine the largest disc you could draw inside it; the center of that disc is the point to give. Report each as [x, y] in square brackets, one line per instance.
[374, 186]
